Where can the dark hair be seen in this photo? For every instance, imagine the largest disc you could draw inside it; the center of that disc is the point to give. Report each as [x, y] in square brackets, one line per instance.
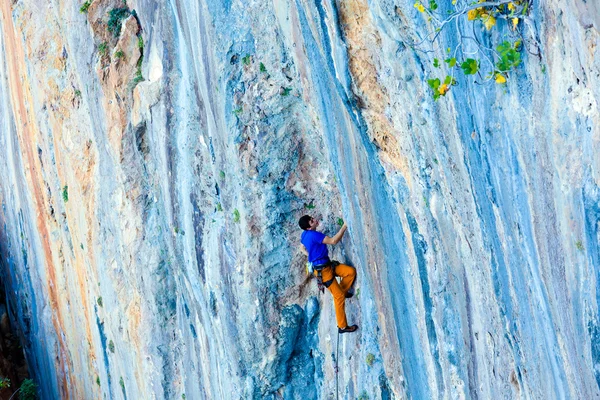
[304, 222]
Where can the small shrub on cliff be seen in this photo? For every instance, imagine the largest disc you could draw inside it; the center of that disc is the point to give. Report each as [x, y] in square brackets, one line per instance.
[84, 7]
[4, 383]
[111, 346]
[119, 54]
[28, 390]
[370, 360]
[122, 384]
[486, 62]
[285, 91]
[115, 20]
[65, 193]
[103, 48]
[579, 245]
[246, 59]
[236, 215]
[98, 380]
[100, 301]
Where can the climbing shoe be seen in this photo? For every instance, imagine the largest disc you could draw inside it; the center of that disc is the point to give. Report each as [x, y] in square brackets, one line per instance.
[349, 293]
[350, 328]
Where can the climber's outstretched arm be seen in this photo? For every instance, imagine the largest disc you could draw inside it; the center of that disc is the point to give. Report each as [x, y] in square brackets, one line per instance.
[338, 236]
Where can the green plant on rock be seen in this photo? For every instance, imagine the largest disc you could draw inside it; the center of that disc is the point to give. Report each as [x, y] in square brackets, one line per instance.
[122, 384]
[103, 48]
[363, 395]
[65, 193]
[285, 91]
[4, 383]
[115, 20]
[579, 245]
[219, 207]
[119, 54]
[236, 215]
[111, 346]
[84, 7]
[262, 68]
[99, 301]
[98, 380]
[469, 55]
[370, 360]
[246, 59]
[28, 390]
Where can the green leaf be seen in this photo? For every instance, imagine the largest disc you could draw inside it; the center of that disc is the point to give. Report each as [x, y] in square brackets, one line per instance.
[504, 47]
[448, 80]
[436, 63]
[433, 83]
[433, 5]
[470, 66]
[340, 222]
[451, 62]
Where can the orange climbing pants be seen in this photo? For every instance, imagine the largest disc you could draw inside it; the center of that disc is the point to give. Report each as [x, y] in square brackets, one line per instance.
[339, 290]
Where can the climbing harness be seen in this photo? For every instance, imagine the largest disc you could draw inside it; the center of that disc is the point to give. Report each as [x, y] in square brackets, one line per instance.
[319, 268]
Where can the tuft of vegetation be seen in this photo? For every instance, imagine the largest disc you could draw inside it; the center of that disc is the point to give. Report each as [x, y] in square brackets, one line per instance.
[363, 395]
[310, 205]
[122, 384]
[65, 193]
[119, 54]
[111, 346]
[103, 49]
[81, 245]
[140, 42]
[28, 390]
[370, 360]
[579, 245]
[183, 396]
[84, 7]
[485, 63]
[262, 68]
[77, 92]
[236, 215]
[285, 91]
[4, 383]
[340, 222]
[238, 111]
[115, 20]
[219, 207]
[99, 301]
[246, 59]
[98, 380]
[222, 175]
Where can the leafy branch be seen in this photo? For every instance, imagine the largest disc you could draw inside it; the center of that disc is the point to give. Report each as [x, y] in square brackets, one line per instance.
[498, 60]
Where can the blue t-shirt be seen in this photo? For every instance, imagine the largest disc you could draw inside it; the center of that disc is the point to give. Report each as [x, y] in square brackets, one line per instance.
[317, 251]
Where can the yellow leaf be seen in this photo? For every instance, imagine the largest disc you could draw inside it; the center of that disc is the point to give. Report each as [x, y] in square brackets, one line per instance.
[500, 79]
[489, 22]
[443, 89]
[454, 2]
[512, 7]
[515, 22]
[472, 14]
[419, 6]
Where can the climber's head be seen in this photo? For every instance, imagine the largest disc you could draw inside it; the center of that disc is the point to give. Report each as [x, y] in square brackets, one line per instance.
[308, 223]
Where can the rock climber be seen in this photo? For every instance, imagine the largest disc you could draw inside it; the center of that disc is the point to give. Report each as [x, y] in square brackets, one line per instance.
[326, 270]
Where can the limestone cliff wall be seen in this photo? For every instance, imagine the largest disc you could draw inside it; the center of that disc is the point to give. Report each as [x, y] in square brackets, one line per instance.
[153, 171]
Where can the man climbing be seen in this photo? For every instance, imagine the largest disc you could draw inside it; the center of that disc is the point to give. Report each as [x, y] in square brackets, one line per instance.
[315, 244]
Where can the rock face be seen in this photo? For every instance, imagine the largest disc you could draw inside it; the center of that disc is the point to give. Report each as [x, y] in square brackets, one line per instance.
[156, 156]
